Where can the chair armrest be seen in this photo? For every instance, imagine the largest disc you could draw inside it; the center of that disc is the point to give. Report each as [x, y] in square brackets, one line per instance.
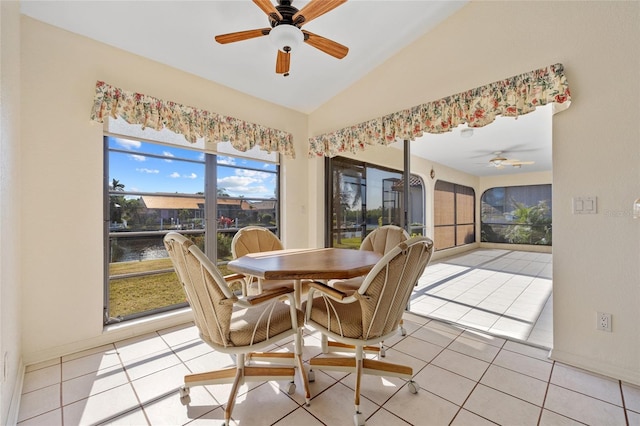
[268, 295]
[329, 291]
[231, 278]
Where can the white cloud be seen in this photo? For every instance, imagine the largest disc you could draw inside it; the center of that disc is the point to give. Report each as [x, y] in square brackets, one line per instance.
[127, 144]
[176, 175]
[227, 161]
[236, 181]
[150, 171]
[243, 185]
[168, 154]
[139, 158]
[255, 174]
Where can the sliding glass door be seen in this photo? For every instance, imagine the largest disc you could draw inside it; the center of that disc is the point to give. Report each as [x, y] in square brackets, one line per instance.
[361, 197]
[347, 205]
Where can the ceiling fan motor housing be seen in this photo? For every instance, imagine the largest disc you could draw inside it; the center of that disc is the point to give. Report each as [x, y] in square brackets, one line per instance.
[287, 11]
[285, 35]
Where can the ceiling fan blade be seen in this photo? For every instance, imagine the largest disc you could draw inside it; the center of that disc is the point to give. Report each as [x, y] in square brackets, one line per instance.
[329, 47]
[283, 62]
[242, 35]
[518, 163]
[315, 8]
[268, 8]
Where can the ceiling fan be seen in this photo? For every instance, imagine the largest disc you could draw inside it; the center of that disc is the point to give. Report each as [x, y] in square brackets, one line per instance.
[499, 161]
[285, 32]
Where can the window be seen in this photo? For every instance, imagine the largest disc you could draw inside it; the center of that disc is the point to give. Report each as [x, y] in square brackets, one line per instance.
[362, 196]
[153, 188]
[454, 215]
[517, 215]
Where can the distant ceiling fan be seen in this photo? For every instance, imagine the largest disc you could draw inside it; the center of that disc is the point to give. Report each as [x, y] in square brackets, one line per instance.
[499, 161]
[286, 33]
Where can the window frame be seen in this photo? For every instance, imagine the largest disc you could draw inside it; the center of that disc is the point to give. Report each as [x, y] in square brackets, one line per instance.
[511, 224]
[210, 228]
[455, 214]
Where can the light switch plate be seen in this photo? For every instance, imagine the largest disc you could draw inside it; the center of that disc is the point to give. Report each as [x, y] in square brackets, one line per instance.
[585, 205]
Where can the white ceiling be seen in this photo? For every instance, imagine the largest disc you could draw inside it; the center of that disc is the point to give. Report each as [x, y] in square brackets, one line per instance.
[181, 34]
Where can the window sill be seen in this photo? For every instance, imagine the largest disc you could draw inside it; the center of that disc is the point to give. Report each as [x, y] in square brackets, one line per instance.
[149, 324]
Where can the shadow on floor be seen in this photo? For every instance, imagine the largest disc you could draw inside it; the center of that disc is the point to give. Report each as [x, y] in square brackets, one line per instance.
[502, 292]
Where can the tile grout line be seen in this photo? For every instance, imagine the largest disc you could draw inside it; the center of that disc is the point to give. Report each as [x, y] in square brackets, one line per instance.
[546, 392]
[624, 405]
[477, 382]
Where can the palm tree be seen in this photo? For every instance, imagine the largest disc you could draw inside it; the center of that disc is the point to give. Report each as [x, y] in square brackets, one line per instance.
[116, 185]
[532, 224]
[116, 203]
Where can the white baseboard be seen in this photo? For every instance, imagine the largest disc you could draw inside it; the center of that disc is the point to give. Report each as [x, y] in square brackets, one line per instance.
[595, 366]
[114, 333]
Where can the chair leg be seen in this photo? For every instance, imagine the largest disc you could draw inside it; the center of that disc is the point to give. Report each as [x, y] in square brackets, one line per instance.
[303, 372]
[234, 389]
[403, 331]
[332, 346]
[358, 417]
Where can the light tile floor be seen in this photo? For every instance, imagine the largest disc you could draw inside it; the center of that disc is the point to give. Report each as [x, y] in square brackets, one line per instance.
[503, 292]
[466, 378]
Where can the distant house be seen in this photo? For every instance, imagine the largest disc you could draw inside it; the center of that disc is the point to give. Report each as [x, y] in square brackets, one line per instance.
[180, 210]
[174, 210]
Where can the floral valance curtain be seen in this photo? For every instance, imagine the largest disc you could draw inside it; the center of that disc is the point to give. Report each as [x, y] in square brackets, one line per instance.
[192, 123]
[477, 107]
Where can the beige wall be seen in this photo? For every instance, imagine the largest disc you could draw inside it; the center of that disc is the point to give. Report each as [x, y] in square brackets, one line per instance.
[595, 146]
[10, 242]
[596, 152]
[62, 175]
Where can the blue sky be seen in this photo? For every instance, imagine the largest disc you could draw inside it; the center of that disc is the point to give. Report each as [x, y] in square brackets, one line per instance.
[143, 173]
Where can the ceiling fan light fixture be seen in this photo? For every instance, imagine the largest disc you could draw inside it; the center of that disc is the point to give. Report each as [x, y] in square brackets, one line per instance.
[497, 161]
[286, 37]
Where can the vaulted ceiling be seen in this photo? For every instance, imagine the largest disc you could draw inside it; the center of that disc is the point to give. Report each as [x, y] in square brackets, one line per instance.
[181, 34]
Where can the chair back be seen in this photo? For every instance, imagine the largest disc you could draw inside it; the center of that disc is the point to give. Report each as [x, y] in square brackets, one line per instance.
[206, 290]
[386, 289]
[254, 239]
[384, 238]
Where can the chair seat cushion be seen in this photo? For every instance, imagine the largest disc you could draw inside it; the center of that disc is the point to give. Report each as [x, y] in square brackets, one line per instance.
[344, 319]
[255, 325]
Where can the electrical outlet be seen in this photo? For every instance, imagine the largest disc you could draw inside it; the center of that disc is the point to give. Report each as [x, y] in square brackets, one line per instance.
[604, 322]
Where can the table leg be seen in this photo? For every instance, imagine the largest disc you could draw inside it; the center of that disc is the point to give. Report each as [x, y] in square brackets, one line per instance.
[297, 292]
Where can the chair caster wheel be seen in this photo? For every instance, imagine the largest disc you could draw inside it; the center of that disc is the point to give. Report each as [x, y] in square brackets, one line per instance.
[185, 399]
[413, 387]
[358, 419]
[311, 377]
[292, 388]
[184, 391]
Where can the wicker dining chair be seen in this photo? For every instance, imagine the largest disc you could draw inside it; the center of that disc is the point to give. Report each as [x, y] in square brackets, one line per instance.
[380, 240]
[237, 326]
[258, 239]
[369, 315]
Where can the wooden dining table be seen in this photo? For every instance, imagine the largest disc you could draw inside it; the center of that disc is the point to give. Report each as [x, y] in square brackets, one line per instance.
[309, 263]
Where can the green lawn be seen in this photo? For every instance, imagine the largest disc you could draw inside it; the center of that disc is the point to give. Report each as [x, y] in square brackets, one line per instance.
[139, 294]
